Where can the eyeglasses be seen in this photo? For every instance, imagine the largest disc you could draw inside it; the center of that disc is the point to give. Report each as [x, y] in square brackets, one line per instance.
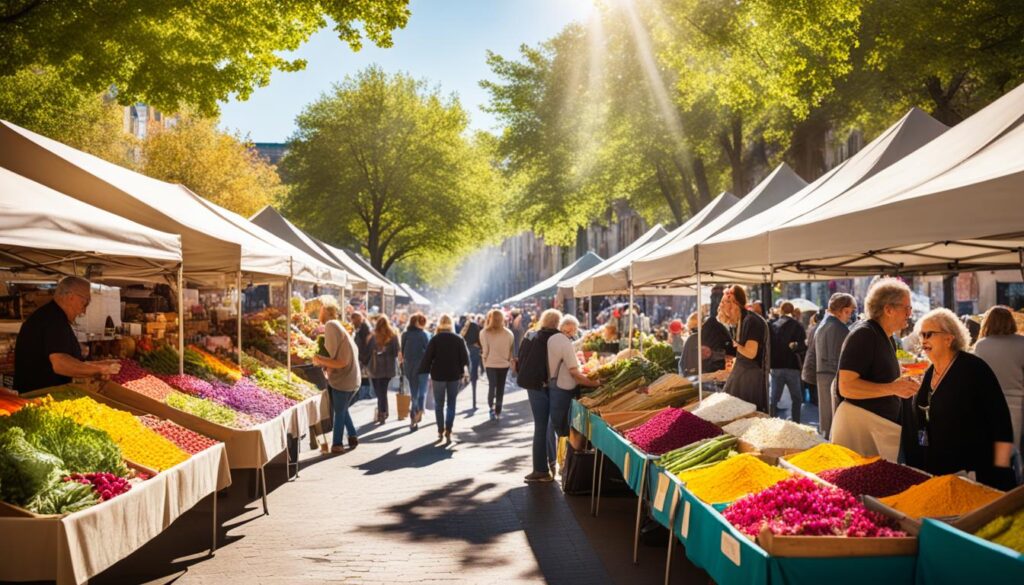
[84, 298]
[928, 334]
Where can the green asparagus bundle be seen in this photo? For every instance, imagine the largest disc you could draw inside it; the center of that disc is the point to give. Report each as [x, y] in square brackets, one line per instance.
[698, 454]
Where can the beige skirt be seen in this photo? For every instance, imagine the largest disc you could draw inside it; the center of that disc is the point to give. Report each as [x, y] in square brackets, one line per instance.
[865, 432]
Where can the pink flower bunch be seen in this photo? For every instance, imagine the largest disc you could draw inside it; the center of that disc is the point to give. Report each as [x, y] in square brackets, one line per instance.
[130, 370]
[189, 384]
[106, 485]
[801, 507]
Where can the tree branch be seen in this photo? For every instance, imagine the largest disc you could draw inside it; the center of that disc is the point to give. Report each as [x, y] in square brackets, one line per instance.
[23, 12]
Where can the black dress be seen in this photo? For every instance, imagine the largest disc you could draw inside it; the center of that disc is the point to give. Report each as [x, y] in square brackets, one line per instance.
[749, 377]
[966, 414]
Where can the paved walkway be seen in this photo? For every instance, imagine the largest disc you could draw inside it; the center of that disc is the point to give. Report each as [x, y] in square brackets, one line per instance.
[402, 508]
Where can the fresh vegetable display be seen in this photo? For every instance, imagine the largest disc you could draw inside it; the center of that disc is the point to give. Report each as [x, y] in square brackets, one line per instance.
[670, 429]
[828, 456]
[137, 443]
[944, 495]
[80, 448]
[722, 408]
[64, 497]
[208, 410]
[668, 390]
[134, 377]
[732, 479]
[9, 404]
[162, 359]
[663, 355]
[634, 375]
[276, 380]
[878, 479]
[1005, 530]
[220, 368]
[774, 433]
[188, 440]
[700, 454]
[800, 506]
[105, 485]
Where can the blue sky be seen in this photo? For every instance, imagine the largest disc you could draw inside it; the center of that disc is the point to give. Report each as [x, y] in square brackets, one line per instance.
[445, 42]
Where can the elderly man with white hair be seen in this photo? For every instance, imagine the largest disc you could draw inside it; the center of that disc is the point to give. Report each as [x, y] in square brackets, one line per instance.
[960, 421]
[868, 416]
[47, 351]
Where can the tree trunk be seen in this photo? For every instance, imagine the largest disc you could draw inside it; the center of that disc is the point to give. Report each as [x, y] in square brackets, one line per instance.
[581, 241]
[944, 110]
[732, 144]
[807, 148]
[700, 176]
[668, 192]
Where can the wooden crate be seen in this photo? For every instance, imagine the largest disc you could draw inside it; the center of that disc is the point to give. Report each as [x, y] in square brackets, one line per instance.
[835, 546]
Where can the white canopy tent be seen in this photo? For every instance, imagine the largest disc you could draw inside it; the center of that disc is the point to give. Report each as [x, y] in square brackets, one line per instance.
[211, 246]
[675, 259]
[953, 204]
[743, 252]
[272, 221]
[43, 233]
[549, 286]
[613, 279]
[415, 297]
[582, 284]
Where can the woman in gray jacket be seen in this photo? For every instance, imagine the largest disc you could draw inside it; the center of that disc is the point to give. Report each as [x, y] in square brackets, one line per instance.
[384, 348]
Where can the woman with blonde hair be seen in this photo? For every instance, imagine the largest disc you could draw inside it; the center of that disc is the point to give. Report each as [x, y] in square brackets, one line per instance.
[959, 420]
[497, 342]
[446, 360]
[384, 348]
[341, 367]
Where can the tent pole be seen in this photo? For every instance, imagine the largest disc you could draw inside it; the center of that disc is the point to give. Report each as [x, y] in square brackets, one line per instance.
[288, 326]
[630, 307]
[238, 289]
[700, 327]
[590, 311]
[181, 319]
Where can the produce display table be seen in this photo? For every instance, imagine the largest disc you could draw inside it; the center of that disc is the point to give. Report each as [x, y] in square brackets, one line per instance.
[949, 555]
[579, 418]
[72, 549]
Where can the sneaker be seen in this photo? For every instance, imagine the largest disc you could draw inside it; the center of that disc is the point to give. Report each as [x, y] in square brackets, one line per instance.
[538, 477]
[353, 442]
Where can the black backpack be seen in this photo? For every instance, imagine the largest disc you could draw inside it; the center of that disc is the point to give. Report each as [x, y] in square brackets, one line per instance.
[533, 360]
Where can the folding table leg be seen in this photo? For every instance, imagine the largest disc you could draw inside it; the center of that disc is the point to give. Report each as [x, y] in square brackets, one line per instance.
[600, 478]
[263, 485]
[213, 543]
[639, 510]
[671, 537]
[593, 482]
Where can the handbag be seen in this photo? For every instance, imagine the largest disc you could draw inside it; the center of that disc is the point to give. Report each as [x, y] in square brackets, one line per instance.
[403, 400]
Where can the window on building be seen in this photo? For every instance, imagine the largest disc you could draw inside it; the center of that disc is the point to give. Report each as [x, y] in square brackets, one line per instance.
[1010, 294]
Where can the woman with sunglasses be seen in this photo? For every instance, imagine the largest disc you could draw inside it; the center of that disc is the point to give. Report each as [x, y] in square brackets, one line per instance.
[960, 421]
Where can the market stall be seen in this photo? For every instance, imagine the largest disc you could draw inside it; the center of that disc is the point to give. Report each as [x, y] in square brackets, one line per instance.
[755, 499]
[549, 286]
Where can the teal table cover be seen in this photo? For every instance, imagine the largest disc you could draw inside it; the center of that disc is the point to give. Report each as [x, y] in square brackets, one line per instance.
[579, 418]
[948, 555]
[842, 570]
[625, 455]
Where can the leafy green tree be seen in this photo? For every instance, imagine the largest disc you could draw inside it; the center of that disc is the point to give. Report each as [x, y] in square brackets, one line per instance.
[220, 166]
[382, 163]
[171, 54]
[40, 100]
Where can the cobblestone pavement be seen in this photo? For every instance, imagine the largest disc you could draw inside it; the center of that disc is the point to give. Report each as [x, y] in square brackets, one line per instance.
[402, 508]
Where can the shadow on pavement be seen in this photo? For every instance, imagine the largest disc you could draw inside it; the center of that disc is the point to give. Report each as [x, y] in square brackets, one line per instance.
[393, 460]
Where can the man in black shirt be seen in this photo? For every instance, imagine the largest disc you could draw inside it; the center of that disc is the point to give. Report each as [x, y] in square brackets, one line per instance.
[869, 373]
[789, 341]
[47, 352]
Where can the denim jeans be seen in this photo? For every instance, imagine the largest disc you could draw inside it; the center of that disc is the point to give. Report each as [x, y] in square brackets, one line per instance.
[380, 388]
[550, 420]
[418, 390]
[496, 388]
[475, 365]
[340, 402]
[445, 391]
[788, 378]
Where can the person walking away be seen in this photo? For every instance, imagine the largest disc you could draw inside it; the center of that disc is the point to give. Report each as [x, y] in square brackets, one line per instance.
[871, 392]
[748, 379]
[341, 368]
[566, 376]
[807, 371]
[789, 340]
[413, 347]
[446, 360]
[516, 324]
[959, 420]
[828, 343]
[361, 336]
[496, 342]
[471, 333]
[1001, 345]
[384, 348]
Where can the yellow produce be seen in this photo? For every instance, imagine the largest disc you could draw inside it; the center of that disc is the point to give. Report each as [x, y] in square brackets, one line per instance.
[138, 443]
[828, 456]
[732, 479]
